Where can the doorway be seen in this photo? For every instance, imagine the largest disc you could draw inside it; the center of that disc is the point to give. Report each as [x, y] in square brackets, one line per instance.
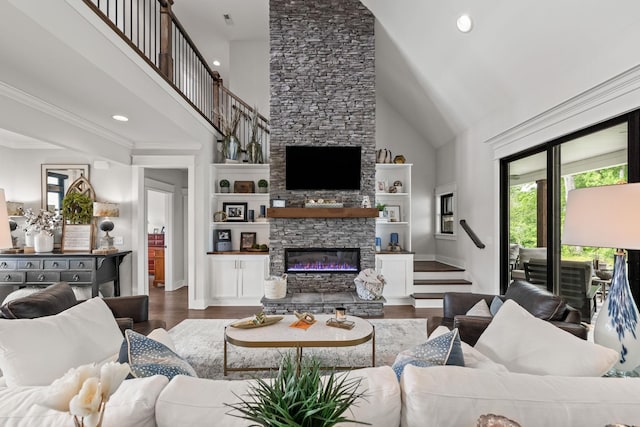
[174, 177]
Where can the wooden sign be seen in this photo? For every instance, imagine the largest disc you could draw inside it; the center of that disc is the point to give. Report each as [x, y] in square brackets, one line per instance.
[77, 238]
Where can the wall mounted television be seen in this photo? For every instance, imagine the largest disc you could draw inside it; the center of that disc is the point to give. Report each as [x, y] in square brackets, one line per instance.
[322, 168]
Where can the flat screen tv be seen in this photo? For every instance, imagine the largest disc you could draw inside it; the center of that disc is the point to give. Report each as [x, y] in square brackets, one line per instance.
[322, 168]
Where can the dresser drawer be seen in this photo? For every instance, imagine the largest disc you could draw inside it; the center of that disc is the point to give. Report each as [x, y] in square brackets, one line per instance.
[56, 264]
[8, 264]
[43, 276]
[81, 264]
[76, 276]
[29, 264]
[11, 277]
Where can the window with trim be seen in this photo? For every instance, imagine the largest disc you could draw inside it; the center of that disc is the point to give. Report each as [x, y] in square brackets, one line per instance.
[445, 197]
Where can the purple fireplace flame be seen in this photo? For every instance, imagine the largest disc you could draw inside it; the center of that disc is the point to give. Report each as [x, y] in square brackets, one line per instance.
[322, 260]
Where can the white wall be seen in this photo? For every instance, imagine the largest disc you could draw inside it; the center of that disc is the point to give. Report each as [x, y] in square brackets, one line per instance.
[20, 177]
[477, 165]
[249, 71]
[155, 212]
[395, 134]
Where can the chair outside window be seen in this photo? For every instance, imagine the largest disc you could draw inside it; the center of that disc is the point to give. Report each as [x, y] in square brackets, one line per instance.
[576, 286]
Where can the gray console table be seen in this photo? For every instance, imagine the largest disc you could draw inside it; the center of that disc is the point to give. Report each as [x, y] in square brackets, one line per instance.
[78, 268]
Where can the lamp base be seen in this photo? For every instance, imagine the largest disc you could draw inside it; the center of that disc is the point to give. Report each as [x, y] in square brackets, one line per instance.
[617, 324]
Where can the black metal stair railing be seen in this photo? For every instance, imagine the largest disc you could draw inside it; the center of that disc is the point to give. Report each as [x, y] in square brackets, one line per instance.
[151, 29]
[476, 240]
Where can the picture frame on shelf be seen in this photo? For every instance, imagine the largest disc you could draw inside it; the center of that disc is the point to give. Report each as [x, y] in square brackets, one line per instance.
[236, 211]
[392, 212]
[381, 186]
[247, 240]
[278, 203]
[222, 240]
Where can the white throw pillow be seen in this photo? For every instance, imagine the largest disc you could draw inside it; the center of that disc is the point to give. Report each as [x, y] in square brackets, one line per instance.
[472, 357]
[132, 405]
[523, 343]
[481, 309]
[37, 351]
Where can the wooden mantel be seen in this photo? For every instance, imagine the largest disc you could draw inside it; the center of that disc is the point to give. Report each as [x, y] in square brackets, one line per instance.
[322, 212]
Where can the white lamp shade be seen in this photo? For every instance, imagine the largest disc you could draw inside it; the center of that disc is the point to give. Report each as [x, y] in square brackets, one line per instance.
[106, 209]
[5, 231]
[605, 217]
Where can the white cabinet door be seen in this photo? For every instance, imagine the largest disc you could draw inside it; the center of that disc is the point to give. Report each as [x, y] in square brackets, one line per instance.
[253, 273]
[224, 277]
[398, 273]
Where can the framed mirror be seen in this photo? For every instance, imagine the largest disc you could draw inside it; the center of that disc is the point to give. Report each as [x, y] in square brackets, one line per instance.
[56, 180]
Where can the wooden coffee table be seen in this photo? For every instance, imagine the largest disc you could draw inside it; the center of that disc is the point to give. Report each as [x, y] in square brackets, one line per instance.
[281, 335]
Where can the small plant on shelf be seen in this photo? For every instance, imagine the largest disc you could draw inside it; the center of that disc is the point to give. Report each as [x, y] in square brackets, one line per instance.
[263, 184]
[224, 186]
[381, 207]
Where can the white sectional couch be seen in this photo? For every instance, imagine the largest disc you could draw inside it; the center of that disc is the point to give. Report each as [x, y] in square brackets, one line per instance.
[435, 396]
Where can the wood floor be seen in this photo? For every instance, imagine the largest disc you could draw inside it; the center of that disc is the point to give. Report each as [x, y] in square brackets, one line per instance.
[172, 307]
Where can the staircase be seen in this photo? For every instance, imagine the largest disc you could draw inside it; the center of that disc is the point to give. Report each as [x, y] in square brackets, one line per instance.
[431, 279]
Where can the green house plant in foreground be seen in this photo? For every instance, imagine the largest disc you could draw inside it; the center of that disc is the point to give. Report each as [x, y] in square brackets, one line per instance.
[299, 397]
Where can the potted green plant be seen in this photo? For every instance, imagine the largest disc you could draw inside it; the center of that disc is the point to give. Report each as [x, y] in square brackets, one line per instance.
[299, 396]
[224, 186]
[380, 207]
[263, 186]
[77, 208]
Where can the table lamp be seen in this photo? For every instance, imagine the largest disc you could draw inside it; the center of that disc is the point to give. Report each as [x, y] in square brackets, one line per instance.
[607, 217]
[5, 233]
[107, 211]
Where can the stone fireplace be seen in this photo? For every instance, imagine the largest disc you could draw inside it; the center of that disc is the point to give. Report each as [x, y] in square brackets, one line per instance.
[322, 77]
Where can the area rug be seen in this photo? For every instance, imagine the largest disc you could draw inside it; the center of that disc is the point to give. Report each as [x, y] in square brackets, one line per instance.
[200, 342]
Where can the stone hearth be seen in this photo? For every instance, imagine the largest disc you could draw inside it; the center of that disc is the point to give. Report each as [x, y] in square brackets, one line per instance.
[325, 302]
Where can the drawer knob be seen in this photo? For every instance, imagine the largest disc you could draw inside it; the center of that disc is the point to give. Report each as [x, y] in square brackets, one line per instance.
[3, 265]
[76, 277]
[7, 277]
[55, 264]
[81, 264]
[29, 264]
[41, 277]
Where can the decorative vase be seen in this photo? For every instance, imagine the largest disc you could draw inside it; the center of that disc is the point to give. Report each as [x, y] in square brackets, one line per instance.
[254, 150]
[231, 148]
[43, 242]
[28, 238]
[617, 323]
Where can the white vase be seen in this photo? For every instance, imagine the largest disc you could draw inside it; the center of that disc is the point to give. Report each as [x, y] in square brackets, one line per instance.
[28, 238]
[617, 324]
[43, 242]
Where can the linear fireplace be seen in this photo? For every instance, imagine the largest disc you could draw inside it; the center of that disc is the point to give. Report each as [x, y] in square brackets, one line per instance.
[322, 260]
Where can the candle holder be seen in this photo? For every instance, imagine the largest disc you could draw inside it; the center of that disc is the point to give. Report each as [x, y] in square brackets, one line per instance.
[341, 314]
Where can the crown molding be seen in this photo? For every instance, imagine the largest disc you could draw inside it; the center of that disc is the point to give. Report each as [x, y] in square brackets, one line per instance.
[613, 93]
[43, 106]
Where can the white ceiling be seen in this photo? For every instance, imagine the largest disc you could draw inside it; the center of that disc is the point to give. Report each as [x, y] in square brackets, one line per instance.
[522, 58]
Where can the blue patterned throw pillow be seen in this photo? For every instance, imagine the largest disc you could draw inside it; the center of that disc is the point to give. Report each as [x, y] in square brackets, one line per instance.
[148, 357]
[496, 303]
[441, 350]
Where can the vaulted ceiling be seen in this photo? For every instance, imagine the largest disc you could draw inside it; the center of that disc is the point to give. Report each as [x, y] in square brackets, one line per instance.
[520, 59]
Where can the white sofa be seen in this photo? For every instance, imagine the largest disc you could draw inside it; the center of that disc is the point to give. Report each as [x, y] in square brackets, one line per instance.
[438, 396]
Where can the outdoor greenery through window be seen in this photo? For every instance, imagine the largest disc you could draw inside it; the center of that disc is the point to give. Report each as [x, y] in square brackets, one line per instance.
[535, 193]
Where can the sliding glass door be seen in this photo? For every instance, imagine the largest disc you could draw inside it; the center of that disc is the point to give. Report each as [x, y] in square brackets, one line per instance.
[534, 188]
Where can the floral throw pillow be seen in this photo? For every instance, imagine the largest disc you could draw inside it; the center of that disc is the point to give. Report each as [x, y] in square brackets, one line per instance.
[444, 349]
[148, 357]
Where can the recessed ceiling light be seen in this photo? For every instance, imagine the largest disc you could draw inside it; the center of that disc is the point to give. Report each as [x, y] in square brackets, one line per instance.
[216, 63]
[464, 23]
[120, 118]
